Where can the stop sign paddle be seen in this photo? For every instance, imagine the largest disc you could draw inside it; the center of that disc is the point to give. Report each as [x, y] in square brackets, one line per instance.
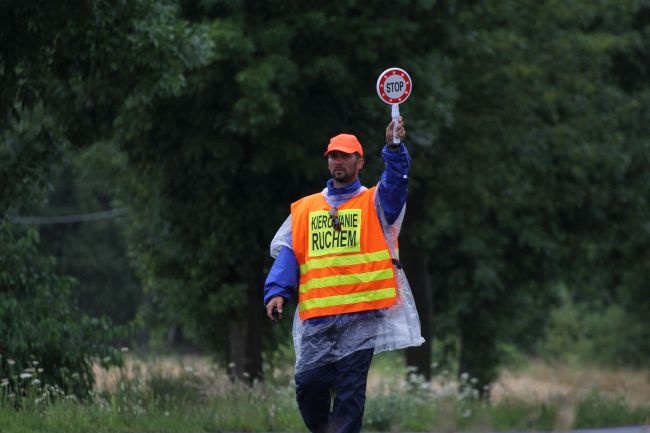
[394, 87]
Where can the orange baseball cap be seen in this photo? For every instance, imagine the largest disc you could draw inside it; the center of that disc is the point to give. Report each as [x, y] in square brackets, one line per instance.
[346, 143]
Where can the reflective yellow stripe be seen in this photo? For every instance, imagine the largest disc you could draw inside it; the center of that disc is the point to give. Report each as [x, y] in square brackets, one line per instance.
[339, 280]
[330, 301]
[355, 259]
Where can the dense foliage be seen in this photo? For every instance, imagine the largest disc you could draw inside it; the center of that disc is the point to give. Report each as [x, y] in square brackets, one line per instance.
[528, 127]
[73, 74]
[44, 335]
[540, 180]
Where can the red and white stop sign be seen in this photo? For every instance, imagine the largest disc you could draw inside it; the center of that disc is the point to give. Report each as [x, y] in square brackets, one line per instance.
[394, 86]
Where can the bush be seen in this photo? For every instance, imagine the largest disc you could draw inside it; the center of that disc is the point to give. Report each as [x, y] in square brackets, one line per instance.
[604, 335]
[617, 337]
[602, 410]
[45, 340]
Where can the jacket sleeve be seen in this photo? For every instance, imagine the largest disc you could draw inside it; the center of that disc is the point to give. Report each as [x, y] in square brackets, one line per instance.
[283, 277]
[393, 184]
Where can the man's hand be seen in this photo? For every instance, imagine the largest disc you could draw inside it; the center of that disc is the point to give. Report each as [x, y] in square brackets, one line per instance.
[275, 302]
[401, 131]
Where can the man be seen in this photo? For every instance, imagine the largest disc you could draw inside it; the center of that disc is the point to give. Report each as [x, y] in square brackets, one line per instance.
[339, 249]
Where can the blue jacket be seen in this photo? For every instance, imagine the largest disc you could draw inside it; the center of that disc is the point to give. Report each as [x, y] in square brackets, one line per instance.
[284, 275]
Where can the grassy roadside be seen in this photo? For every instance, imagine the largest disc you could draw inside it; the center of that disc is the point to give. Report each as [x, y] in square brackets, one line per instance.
[191, 395]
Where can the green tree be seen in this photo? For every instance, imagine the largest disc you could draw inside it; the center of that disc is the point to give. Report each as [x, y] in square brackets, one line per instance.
[73, 74]
[93, 251]
[528, 125]
[538, 179]
[225, 160]
[44, 336]
[76, 73]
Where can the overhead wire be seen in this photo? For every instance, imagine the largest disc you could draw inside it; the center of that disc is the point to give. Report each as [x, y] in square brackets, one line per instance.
[67, 219]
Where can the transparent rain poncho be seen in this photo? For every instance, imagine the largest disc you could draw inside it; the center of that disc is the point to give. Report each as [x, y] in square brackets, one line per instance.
[322, 340]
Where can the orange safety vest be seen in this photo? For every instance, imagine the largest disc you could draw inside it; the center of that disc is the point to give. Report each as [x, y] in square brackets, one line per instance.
[341, 271]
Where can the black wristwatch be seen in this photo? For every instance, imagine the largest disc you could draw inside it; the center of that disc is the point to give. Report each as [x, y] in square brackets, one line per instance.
[393, 146]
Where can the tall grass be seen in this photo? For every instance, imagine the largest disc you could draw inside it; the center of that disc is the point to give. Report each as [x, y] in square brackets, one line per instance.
[192, 395]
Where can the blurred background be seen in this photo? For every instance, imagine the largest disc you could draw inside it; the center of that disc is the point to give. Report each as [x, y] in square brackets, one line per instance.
[150, 149]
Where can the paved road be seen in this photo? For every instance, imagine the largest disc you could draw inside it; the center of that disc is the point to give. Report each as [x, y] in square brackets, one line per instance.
[635, 429]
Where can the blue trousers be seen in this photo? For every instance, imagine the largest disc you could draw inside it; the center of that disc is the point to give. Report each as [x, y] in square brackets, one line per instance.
[344, 382]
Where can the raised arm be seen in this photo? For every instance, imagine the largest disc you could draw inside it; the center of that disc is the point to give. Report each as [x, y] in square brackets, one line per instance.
[393, 184]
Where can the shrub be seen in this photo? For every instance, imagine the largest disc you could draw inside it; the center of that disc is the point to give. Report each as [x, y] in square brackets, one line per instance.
[602, 410]
[44, 339]
[605, 335]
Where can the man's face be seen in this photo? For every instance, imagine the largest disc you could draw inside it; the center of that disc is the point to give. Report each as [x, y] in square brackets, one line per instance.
[344, 167]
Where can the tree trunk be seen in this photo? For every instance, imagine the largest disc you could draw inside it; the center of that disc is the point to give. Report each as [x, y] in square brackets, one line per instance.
[245, 339]
[415, 260]
[415, 266]
[236, 352]
[254, 316]
[478, 354]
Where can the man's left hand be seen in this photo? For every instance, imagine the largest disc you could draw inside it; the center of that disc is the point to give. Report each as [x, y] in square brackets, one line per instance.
[401, 131]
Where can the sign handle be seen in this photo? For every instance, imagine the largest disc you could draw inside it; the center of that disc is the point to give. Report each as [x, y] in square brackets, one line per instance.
[395, 116]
